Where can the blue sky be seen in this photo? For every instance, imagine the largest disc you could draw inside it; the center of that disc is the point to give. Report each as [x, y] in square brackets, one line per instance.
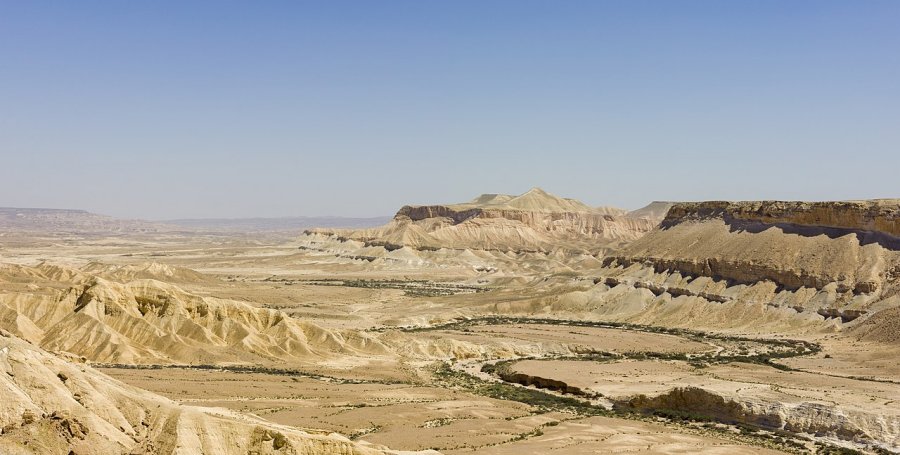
[228, 109]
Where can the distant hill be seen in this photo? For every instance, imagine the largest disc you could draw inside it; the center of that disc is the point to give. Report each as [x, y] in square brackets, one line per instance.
[279, 224]
[534, 200]
[533, 221]
[72, 221]
[39, 220]
[654, 211]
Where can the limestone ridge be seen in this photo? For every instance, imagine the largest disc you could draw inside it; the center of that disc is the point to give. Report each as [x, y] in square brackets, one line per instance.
[533, 221]
[72, 221]
[880, 216]
[853, 245]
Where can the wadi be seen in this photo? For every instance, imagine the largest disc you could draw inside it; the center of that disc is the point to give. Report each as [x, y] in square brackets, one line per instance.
[508, 324]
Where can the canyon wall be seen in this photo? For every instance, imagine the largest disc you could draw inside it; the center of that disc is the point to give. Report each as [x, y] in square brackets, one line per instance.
[793, 244]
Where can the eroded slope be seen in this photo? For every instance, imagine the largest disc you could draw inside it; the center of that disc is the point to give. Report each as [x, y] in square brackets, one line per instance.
[838, 259]
[51, 405]
[150, 321]
[533, 221]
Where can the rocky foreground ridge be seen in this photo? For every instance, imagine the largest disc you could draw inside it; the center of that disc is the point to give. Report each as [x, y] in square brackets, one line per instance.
[52, 405]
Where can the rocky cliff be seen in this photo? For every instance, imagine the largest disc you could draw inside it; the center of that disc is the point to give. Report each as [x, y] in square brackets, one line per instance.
[793, 244]
[808, 260]
[533, 221]
[880, 216]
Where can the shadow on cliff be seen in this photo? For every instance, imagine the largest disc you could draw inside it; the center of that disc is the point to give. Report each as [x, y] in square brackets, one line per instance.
[864, 237]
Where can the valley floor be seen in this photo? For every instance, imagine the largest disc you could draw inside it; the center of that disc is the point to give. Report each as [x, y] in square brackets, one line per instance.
[456, 352]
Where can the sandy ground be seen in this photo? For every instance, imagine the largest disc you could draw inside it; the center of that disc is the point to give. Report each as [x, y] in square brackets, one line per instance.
[412, 417]
[614, 436]
[594, 338]
[396, 403]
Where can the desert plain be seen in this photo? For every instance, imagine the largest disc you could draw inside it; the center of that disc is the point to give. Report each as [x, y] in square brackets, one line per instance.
[509, 324]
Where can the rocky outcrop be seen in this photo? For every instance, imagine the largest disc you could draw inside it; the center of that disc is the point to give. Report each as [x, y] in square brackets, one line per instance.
[422, 212]
[744, 272]
[539, 382]
[532, 222]
[699, 404]
[810, 417]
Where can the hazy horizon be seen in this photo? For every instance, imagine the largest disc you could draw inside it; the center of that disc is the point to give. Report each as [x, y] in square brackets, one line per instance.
[225, 110]
[373, 217]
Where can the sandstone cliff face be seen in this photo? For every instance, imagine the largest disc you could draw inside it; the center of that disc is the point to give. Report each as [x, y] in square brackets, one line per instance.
[422, 212]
